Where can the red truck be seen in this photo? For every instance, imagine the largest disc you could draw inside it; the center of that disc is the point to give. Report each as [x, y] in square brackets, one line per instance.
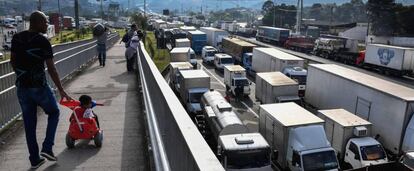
[300, 44]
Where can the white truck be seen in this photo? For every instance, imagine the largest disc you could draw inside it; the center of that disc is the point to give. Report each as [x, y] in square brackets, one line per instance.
[175, 68]
[350, 137]
[388, 106]
[221, 60]
[182, 43]
[214, 36]
[236, 147]
[235, 78]
[395, 59]
[207, 54]
[271, 59]
[275, 87]
[192, 84]
[183, 54]
[297, 138]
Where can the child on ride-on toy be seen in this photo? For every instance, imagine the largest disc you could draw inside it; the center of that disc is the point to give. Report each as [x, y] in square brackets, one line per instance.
[85, 109]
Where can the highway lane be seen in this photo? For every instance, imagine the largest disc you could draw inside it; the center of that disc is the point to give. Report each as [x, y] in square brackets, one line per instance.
[405, 81]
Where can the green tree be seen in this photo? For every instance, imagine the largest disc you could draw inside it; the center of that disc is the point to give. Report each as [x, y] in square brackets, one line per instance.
[139, 20]
[284, 16]
[382, 17]
[267, 7]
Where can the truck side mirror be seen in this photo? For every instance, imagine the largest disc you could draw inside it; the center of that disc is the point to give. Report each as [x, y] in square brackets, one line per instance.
[275, 154]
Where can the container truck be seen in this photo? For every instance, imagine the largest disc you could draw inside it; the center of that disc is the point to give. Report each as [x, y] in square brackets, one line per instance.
[271, 59]
[297, 138]
[221, 60]
[175, 68]
[214, 36]
[240, 50]
[350, 137]
[275, 87]
[272, 34]
[207, 54]
[182, 43]
[300, 44]
[198, 40]
[235, 146]
[183, 54]
[337, 48]
[192, 85]
[387, 105]
[234, 79]
[394, 59]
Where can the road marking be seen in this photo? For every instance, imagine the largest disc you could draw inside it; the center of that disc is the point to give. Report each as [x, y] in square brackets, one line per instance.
[244, 104]
[250, 109]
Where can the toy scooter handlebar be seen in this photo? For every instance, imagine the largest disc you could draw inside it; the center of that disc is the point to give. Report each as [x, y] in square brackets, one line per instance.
[74, 103]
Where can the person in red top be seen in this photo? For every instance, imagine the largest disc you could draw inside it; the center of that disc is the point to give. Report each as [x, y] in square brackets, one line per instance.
[85, 109]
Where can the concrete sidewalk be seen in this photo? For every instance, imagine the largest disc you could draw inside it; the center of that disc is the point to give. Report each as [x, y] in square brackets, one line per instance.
[122, 120]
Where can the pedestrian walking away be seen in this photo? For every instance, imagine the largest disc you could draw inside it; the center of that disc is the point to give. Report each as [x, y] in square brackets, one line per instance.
[29, 51]
[101, 47]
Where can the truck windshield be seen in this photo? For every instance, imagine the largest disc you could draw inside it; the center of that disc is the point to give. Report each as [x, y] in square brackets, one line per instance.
[241, 82]
[248, 159]
[226, 60]
[324, 160]
[372, 152]
[211, 53]
[301, 79]
[195, 97]
[192, 56]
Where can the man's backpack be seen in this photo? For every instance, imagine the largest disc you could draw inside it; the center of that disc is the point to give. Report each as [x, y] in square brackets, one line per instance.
[126, 39]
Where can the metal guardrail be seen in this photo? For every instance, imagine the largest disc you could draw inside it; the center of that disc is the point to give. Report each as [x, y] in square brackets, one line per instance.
[176, 142]
[67, 61]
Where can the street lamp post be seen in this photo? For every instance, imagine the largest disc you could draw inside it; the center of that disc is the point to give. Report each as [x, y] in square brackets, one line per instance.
[60, 22]
[39, 6]
[274, 13]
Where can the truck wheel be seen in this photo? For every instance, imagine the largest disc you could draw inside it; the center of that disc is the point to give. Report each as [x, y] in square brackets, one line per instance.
[70, 142]
[347, 166]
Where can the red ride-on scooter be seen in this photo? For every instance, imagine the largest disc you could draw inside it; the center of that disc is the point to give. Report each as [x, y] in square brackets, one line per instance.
[80, 127]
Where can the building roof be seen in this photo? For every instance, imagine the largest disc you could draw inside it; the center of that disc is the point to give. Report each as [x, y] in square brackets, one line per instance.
[276, 78]
[343, 117]
[369, 81]
[290, 114]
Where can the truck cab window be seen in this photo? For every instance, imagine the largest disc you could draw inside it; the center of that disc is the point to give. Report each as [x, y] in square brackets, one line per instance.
[354, 149]
[373, 152]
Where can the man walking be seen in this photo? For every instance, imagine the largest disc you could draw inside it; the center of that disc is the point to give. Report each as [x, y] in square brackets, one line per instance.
[101, 46]
[29, 51]
[130, 51]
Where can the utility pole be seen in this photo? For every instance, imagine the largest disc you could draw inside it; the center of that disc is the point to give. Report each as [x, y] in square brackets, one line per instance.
[77, 14]
[274, 13]
[39, 5]
[102, 12]
[60, 21]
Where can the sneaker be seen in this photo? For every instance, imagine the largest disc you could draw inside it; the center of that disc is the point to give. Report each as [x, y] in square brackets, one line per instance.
[39, 163]
[48, 155]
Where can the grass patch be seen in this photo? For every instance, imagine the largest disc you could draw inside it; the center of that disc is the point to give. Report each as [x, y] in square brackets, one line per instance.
[121, 32]
[161, 57]
[71, 36]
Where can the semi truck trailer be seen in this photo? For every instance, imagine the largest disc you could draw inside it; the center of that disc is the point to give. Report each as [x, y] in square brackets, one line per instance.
[274, 35]
[214, 36]
[388, 106]
[198, 40]
[240, 50]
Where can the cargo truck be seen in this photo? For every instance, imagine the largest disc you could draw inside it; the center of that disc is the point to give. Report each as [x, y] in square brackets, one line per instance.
[235, 146]
[183, 54]
[192, 84]
[388, 106]
[175, 68]
[221, 60]
[393, 59]
[214, 36]
[207, 54]
[350, 135]
[182, 43]
[235, 78]
[240, 50]
[337, 48]
[274, 35]
[297, 138]
[198, 40]
[271, 59]
[300, 44]
[275, 87]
